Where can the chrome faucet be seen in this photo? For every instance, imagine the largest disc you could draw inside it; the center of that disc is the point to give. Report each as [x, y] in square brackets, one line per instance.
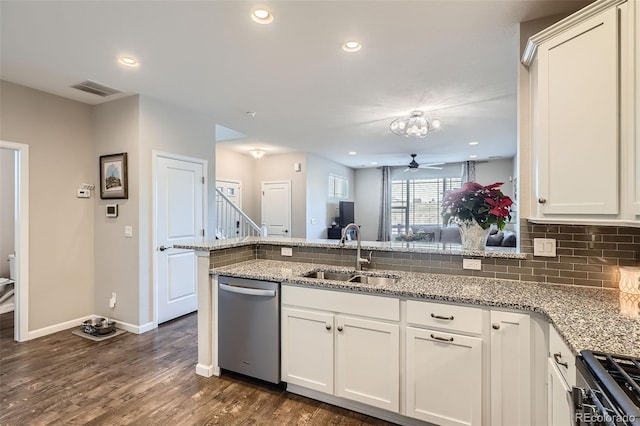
[359, 260]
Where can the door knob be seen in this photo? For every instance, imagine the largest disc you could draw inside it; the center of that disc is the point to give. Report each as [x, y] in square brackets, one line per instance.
[163, 248]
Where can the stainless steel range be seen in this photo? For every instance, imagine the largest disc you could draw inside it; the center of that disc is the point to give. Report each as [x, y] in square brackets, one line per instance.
[607, 390]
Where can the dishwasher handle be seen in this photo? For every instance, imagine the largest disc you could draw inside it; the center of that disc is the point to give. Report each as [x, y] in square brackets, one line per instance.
[247, 291]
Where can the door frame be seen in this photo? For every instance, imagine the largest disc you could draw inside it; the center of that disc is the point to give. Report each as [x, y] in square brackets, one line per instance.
[154, 238]
[21, 240]
[288, 182]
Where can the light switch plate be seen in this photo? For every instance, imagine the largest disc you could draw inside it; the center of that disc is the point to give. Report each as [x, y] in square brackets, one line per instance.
[286, 251]
[544, 247]
[473, 264]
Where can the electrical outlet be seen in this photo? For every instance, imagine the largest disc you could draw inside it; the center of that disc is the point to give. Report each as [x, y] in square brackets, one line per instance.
[544, 247]
[286, 251]
[128, 231]
[112, 301]
[473, 264]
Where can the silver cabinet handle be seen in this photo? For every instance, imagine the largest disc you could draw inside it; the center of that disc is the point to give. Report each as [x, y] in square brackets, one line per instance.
[340, 328]
[495, 326]
[163, 248]
[328, 326]
[557, 357]
[442, 339]
[440, 317]
[542, 200]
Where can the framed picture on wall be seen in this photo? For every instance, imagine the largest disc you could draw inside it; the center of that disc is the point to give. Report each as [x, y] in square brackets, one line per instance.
[113, 176]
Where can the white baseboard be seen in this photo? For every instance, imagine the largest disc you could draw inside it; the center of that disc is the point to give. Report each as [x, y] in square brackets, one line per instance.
[136, 329]
[207, 370]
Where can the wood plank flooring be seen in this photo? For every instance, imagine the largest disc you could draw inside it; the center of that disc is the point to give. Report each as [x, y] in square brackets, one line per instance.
[146, 379]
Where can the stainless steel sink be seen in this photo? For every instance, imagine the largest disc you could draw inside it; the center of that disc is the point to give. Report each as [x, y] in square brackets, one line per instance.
[354, 277]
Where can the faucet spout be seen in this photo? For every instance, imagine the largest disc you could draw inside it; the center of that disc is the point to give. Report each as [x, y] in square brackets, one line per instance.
[359, 260]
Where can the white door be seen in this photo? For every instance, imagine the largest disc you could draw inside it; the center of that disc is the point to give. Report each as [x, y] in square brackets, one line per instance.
[232, 190]
[368, 362]
[180, 211]
[276, 208]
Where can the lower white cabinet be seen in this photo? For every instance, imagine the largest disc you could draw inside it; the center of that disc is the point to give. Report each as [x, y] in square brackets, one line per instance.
[367, 362]
[346, 354]
[511, 385]
[560, 413]
[444, 377]
[307, 349]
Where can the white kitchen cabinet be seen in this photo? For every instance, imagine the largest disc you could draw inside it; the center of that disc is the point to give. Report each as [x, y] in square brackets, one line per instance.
[582, 117]
[367, 362]
[437, 363]
[511, 381]
[561, 376]
[307, 349]
[342, 344]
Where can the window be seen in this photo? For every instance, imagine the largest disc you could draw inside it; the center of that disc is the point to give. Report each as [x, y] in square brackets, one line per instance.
[417, 203]
[338, 186]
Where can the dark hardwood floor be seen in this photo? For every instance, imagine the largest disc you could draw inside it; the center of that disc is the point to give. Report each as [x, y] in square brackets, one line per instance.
[146, 379]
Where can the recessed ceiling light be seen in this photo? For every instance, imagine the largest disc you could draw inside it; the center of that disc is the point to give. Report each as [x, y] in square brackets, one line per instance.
[352, 153]
[351, 46]
[262, 16]
[473, 156]
[474, 143]
[436, 123]
[373, 163]
[128, 61]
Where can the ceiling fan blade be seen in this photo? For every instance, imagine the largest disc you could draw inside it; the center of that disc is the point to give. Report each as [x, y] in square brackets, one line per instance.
[433, 164]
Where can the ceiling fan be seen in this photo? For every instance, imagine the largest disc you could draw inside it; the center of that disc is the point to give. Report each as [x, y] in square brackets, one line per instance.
[414, 165]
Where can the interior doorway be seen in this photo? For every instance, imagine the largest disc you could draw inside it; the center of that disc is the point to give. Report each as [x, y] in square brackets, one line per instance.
[276, 208]
[21, 237]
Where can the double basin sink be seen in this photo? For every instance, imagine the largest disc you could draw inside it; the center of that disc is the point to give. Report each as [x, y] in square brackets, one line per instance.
[353, 277]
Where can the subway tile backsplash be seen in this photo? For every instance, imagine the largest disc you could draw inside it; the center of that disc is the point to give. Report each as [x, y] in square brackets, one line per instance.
[586, 256]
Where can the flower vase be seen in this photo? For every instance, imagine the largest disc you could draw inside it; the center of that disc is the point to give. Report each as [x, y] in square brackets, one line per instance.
[474, 237]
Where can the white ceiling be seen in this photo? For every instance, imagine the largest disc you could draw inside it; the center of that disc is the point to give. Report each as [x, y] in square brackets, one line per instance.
[457, 60]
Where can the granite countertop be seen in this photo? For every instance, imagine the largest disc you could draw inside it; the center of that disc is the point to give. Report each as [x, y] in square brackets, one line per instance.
[587, 318]
[395, 246]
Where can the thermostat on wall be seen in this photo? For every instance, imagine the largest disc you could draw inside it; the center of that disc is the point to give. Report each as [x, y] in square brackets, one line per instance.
[112, 210]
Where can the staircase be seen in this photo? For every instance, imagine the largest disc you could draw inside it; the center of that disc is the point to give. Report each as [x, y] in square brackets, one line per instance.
[231, 221]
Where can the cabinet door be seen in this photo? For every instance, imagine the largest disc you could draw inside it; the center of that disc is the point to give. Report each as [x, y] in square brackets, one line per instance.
[367, 362]
[510, 369]
[559, 398]
[307, 349]
[444, 377]
[578, 138]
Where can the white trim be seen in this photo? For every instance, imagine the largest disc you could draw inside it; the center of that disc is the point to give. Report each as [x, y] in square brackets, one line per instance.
[45, 331]
[563, 25]
[21, 298]
[154, 237]
[7, 307]
[136, 329]
[207, 370]
[585, 221]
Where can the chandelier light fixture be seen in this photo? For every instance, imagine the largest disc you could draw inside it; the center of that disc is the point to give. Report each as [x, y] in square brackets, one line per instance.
[257, 153]
[415, 124]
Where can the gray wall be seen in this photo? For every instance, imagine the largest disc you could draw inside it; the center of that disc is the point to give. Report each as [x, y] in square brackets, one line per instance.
[497, 171]
[61, 157]
[280, 168]
[7, 206]
[320, 208]
[116, 129]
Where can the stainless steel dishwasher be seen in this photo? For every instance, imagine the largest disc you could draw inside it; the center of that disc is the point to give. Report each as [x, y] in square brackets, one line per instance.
[249, 327]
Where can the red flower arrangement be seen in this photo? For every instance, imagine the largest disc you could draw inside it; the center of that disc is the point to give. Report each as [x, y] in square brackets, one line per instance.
[486, 205]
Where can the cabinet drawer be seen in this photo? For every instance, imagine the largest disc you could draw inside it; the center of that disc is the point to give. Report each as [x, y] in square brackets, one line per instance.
[562, 357]
[448, 317]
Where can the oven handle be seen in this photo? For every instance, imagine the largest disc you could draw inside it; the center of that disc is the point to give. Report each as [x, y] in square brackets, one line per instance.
[247, 291]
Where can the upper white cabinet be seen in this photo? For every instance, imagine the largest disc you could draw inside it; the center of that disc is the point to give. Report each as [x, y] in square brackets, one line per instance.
[582, 113]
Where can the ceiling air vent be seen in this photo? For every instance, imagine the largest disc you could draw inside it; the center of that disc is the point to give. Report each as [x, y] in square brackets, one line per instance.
[96, 88]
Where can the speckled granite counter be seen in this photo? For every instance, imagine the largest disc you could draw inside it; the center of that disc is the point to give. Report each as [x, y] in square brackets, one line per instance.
[586, 318]
[394, 246]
